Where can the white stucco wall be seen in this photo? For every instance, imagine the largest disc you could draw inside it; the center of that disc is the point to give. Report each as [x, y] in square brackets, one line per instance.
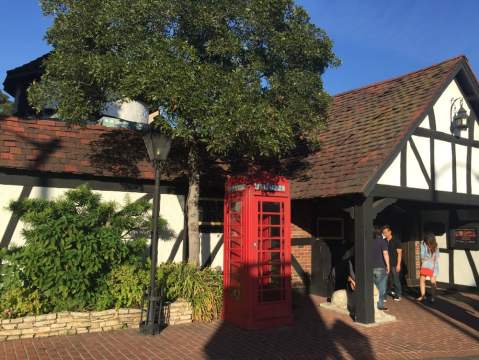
[441, 216]
[415, 178]
[209, 242]
[425, 123]
[442, 151]
[424, 150]
[476, 128]
[475, 171]
[443, 268]
[463, 274]
[461, 168]
[443, 165]
[392, 176]
[8, 193]
[442, 108]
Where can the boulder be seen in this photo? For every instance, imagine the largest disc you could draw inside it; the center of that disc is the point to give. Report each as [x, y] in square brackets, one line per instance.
[339, 302]
[340, 299]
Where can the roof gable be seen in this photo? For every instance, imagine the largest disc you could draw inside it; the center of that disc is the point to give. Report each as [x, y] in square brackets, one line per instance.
[367, 128]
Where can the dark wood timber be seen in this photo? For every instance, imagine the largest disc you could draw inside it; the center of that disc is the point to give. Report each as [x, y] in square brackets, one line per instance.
[380, 205]
[363, 244]
[212, 255]
[446, 137]
[421, 163]
[432, 155]
[454, 171]
[7, 177]
[400, 145]
[432, 119]
[469, 156]
[426, 195]
[14, 219]
[475, 273]
[305, 278]
[404, 167]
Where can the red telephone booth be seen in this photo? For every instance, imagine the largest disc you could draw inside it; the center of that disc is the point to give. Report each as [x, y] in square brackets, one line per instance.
[257, 252]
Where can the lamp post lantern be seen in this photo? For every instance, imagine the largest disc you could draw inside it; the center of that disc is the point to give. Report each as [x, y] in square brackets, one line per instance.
[158, 146]
[459, 118]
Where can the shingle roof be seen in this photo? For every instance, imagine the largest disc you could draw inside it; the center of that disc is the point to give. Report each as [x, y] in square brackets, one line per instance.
[54, 146]
[365, 126]
[31, 70]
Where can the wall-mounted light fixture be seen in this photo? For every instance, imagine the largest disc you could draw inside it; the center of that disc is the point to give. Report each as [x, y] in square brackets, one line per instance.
[459, 118]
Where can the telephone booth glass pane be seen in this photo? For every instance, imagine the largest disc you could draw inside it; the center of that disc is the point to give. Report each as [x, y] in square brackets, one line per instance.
[235, 233]
[270, 234]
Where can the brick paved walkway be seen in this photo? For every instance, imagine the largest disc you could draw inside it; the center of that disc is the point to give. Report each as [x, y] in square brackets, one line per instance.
[448, 329]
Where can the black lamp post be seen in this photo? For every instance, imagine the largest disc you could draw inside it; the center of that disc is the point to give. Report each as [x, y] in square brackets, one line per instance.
[158, 147]
[460, 119]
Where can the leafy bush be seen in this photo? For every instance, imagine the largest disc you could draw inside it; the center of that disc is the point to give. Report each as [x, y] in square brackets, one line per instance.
[202, 288]
[71, 245]
[15, 301]
[125, 286]
[83, 254]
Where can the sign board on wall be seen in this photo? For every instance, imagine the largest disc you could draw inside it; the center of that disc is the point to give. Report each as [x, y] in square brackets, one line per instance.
[465, 238]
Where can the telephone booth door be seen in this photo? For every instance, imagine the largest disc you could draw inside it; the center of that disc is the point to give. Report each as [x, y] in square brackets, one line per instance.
[272, 254]
[257, 259]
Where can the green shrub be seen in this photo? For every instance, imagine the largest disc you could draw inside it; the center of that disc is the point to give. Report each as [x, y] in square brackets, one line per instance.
[15, 300]
[125, 286]
[202, 288]
[71, 246]
[83, 254]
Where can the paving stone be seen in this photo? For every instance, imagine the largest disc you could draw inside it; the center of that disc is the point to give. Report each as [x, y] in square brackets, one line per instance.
[317, 333]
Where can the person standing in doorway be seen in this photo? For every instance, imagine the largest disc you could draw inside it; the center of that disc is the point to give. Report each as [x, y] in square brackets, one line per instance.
[429, 266]
[395, 257]
[381, 269]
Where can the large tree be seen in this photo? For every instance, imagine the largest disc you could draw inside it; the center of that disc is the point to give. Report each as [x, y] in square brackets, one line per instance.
[232, 77]
[6, 106]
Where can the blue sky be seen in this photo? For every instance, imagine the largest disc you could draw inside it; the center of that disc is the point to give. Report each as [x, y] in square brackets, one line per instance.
[375, 39]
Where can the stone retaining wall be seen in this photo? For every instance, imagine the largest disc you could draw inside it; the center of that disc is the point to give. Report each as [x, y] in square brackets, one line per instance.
[69, 323]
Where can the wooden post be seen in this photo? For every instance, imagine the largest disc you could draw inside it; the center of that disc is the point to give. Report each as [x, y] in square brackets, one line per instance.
[363, 253]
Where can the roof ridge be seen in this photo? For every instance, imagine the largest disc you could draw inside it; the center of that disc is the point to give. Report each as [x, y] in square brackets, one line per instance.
[39, 58]
[380, 82]
[67, 126]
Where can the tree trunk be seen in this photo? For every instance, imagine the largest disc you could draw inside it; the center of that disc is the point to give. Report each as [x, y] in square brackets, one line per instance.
[192, 207]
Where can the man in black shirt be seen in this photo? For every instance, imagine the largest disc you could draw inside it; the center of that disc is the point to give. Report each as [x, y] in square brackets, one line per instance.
[395, 255]
[381, 269]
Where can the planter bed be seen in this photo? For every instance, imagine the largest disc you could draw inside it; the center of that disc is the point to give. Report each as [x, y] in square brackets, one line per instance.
[69, 323]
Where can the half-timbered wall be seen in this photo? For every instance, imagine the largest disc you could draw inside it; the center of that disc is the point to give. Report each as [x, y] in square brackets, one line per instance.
[211, 249]
[433, 158]
[436, 162]
[172, 205]
[456, 267]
